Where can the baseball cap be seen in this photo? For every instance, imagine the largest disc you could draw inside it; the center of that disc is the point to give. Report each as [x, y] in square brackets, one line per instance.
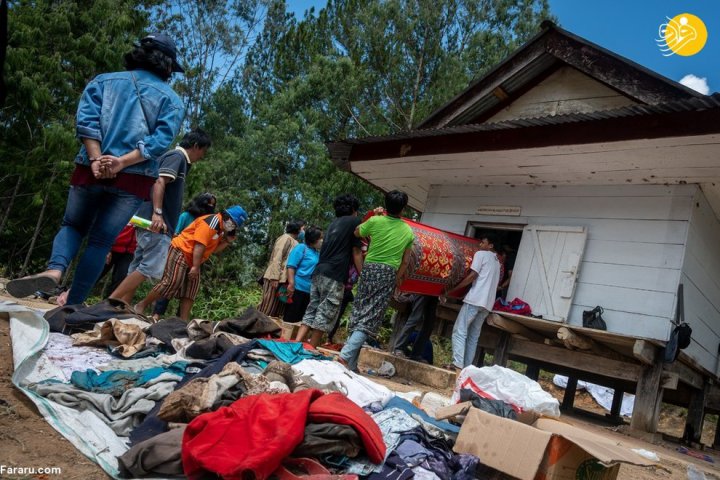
[165, 44]
[238, 214]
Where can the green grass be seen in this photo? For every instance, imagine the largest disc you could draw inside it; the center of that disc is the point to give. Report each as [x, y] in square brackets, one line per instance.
[214, 302]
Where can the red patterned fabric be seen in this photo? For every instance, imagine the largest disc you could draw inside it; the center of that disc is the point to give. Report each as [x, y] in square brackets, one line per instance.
[440, 259]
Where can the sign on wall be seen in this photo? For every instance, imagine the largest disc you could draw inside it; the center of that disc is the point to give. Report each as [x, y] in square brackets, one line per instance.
[499, 210]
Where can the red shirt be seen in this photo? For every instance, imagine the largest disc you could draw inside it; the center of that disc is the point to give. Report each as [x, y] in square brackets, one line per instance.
[138, 185]
[125, 242]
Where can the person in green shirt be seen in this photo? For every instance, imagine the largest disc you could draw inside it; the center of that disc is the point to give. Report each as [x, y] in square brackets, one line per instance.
[391, 241]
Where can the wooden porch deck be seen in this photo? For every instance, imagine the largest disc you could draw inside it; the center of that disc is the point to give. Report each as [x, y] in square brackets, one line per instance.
[625, 363]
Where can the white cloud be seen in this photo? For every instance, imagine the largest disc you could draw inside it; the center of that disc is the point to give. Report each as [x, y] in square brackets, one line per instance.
[699, 84]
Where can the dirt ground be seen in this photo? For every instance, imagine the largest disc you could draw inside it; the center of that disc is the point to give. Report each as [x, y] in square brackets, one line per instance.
[26, 440]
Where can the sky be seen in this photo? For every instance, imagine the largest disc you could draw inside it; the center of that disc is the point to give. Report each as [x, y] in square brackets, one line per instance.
[629, 28]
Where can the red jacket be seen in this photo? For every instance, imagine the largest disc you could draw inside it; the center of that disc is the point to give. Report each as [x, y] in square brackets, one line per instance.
[251, 437]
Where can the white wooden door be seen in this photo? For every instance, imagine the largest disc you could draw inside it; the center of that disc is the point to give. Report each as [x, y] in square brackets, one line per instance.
[546, 269]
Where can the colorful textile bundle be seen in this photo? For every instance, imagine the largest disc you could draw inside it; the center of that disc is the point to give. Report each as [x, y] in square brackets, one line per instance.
[439, 259]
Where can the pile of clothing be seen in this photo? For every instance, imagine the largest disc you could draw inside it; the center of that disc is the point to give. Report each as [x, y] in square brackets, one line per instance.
[228, 400]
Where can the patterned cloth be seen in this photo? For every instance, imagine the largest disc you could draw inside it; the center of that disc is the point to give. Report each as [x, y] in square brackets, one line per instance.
[377, 283]
[326, 296]
[270, 305]
[439, 259]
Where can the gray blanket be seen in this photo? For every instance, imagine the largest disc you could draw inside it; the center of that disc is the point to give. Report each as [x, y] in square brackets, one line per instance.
[121, 414]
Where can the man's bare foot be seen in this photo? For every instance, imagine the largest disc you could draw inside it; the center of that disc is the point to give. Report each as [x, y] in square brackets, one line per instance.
[26, 286]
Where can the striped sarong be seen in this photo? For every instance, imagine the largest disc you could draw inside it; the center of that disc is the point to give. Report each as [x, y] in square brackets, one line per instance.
[175, 282]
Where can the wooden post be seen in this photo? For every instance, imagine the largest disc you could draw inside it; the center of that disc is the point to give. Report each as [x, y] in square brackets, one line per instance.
[695, 416]
[479, 360]
[569, 397]
[532, 371]
[716, 441]
[648, 397]
[616, 403]
[399, 320]
[502, 350]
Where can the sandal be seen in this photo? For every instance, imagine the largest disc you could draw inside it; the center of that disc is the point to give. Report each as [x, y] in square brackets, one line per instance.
[26, 286]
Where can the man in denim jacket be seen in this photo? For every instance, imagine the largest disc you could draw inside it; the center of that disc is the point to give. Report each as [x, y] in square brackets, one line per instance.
[125, 121]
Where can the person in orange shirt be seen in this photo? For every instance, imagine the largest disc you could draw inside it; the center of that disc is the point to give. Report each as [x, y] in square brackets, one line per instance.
[181, 279]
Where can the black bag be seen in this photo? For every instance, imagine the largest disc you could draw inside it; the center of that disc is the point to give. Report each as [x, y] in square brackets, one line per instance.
[593, 319]
[681, 334]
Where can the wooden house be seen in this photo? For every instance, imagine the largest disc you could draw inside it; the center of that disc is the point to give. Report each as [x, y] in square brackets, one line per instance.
[609, 176]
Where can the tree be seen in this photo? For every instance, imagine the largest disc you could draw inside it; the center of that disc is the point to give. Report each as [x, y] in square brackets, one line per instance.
[270, 88]
[212, 37]
[356, 68]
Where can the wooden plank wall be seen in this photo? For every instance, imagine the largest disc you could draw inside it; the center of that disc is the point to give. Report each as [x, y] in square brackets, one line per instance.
[635, 249]
[563, 92]
[701, 282]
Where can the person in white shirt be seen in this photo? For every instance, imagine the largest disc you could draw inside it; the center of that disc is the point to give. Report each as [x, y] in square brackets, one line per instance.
[479, 300]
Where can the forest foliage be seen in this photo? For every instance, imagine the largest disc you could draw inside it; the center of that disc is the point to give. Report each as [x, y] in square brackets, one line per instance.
[271, 88]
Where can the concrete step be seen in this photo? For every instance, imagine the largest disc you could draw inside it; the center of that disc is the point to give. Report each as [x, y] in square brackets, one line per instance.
[411, 370]
[371, 358]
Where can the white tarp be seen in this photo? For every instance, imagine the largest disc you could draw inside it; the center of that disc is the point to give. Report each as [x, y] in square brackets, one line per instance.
[602, 395]
[29, 333]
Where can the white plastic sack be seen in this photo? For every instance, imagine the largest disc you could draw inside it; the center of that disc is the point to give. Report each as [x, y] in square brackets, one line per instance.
[501, 383]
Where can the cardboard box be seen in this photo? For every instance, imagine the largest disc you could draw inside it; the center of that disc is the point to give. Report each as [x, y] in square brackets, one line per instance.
[458, 411]
[546, 450]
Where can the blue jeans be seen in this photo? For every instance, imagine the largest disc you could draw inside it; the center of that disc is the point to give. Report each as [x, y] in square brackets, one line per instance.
[100, 213]
[351, 351]
[466, 334]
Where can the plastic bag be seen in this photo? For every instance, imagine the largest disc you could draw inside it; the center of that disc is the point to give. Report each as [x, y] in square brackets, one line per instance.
[499, 383]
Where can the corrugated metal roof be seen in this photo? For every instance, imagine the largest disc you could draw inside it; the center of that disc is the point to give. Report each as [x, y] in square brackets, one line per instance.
[339, 148]
[648, 86]
[514, 83]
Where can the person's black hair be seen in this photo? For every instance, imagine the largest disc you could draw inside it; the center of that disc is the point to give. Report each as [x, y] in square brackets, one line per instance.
[200, 205]
[312, 235]
[395, 201]
[491, 238]
[345, 205]
[151, 59]
[196, 138]
[293, 227]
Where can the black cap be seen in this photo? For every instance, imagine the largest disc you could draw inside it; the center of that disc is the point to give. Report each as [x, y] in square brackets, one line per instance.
[166, 45]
